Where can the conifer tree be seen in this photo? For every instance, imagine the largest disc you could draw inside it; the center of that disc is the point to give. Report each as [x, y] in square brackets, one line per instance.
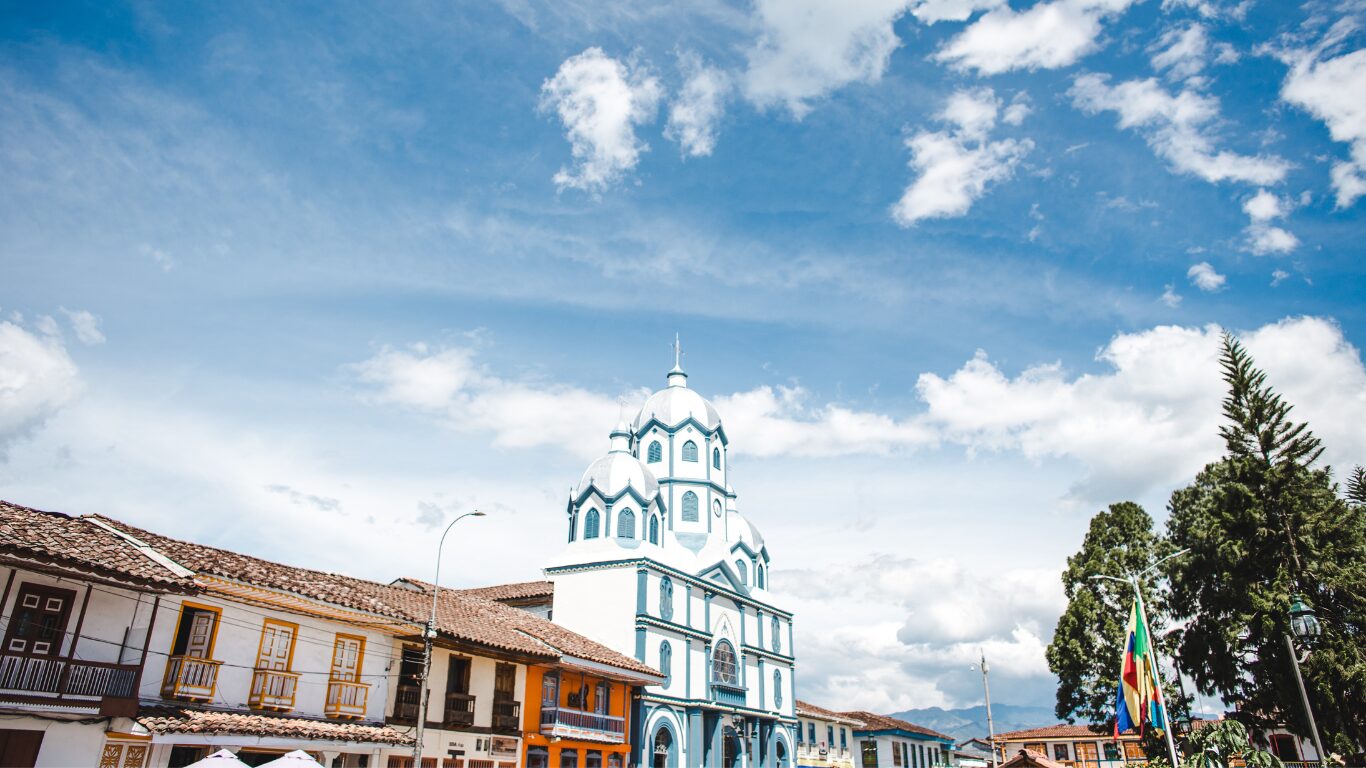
[1265, 524]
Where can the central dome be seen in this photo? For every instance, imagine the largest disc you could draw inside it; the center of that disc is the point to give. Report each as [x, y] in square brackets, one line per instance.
[675, 404]
[616, 472]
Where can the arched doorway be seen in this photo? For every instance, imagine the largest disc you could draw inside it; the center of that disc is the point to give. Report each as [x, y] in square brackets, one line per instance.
[780, 754]
[662, 749]
[730, 747]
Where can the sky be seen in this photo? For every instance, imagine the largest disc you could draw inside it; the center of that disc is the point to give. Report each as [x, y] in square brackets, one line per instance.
[306, 280]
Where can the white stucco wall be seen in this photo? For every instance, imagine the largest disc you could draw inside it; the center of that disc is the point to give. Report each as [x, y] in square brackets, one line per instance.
[599, 604]
[238, 639]
[113, 616]
[64, 744]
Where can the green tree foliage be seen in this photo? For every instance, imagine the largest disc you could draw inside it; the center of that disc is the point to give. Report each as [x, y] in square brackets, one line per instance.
[1262, 524]
[1356, 485]
[1089, 640]
[1216, 744]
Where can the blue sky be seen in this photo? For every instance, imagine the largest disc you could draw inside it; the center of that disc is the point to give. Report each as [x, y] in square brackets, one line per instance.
[298, 279]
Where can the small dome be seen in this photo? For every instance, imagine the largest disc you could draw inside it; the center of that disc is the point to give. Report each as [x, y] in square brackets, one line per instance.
[615, 472]
[741, 529]
[675, 404]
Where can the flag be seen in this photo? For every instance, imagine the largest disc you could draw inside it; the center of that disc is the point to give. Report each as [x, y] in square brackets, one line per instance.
[1138, 700]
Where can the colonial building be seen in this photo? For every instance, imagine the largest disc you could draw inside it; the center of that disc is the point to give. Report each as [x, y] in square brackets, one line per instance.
[887, 742]
[824, 738]
[1079, 746]
[660, 564]
[127, 649]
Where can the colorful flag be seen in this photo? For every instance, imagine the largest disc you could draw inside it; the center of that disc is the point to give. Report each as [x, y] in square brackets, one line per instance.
[1138, 701]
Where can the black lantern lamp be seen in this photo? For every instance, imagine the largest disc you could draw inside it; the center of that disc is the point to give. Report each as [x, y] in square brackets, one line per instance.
[1303, 623]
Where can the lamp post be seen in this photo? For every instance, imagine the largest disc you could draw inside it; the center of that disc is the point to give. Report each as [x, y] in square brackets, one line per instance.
[1133, 580]
[991, 727]
[428, 635]
[1305, 626]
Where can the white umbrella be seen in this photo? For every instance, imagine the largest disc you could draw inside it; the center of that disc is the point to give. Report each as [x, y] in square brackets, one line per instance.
[220, 759]
[296, 759]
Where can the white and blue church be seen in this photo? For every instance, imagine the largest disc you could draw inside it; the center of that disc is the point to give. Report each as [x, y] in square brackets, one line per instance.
[661, 564]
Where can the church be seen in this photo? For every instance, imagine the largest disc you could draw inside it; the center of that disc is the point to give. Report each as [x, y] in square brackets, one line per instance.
[659, 563]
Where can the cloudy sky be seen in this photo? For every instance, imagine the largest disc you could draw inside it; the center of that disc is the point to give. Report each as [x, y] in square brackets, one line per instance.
[306, 281]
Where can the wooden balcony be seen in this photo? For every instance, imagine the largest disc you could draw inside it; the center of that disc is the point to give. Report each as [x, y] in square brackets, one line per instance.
[576, 724]
[406, 705]
[507, 716]
[459, 710]
[115, 685]
[273, 689]
[346, 700]
[191, 678]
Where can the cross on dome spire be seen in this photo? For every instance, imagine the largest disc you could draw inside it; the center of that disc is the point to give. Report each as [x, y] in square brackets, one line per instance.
[677, 378]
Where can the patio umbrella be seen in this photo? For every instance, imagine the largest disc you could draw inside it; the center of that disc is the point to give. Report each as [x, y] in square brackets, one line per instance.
[220, 759]
[296, 759]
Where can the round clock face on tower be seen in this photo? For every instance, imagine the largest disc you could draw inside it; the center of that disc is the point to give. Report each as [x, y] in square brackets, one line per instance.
[716, 508]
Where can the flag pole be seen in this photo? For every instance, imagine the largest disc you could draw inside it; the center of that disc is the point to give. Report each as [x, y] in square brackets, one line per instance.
[1157, 677]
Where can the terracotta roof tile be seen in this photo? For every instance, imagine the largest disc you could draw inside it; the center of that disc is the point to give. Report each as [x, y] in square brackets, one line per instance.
[1030, 757]
[524, 590]
[811, 710]
[460, 616]
[178, 720]
[876, 722]
[1059, 731]
[76, 542]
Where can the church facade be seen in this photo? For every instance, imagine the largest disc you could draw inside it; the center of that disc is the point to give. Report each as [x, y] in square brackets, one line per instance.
[660, 564]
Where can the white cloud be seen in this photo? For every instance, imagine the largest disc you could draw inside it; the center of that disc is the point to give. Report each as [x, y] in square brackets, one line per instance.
[1278, 276]
[1152, 419]
[1204, 277]
[1182, 51]
[1262, 236]
[955, 166]
[1049, 35]
[600, 101]
[699, 106]
[1018, 110]
[1330, 89]
[1177, 127]
[37, 379]
[808, 48]
[1210, 9]
[1170, 297]
[931, 11]
[86, 326]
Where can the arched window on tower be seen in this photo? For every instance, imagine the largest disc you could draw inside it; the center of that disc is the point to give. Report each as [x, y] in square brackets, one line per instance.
[590, 524]
[723, 666]
[666, 658]
[573, 526]
[689, 507]
[690, 451]
[742, 570]
[626, 524]
[655, 453]
[654, 529]
[716, 458]
[759, 576]
[778, 689]
[777, 635]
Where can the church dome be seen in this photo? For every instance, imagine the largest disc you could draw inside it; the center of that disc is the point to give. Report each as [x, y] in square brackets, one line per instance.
[616, 472]
[741, 529]
[677, 403]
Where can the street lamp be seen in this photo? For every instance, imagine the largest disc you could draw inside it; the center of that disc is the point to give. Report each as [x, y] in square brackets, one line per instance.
[1305, 626]
[428, 635]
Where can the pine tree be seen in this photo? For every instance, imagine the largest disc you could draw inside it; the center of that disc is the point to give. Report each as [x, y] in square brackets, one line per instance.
[1262, 525]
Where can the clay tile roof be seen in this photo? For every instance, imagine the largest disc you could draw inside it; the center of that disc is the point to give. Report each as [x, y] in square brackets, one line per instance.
[1029, 757]
[461, 616]
[808, 709]
[525, 590]
[177, 720]
[78, 543]
[1059, 731]
[876, 722]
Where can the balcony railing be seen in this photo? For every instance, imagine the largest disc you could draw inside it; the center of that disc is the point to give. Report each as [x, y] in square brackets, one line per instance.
[188, 677]
[507, 716]
[459, 710]
[273, 689]
[573, 723]
[345, 699]
[33, 673]
[406, 705]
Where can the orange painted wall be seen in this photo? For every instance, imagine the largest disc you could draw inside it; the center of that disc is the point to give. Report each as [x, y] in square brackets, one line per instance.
[618, 705]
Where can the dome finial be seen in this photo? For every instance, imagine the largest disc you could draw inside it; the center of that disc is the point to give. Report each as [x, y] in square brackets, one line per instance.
[677, 378]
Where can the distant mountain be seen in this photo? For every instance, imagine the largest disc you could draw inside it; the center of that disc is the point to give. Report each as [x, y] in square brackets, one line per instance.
[967, 722]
